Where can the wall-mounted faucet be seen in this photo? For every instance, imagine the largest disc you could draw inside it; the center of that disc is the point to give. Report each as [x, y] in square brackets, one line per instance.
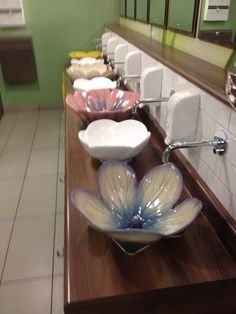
[113, 63]
[125, 78]
[152, 101]
[219, 144]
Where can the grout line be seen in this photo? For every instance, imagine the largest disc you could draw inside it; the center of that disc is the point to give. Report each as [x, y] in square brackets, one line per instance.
[23, 280]
[55, 216]
[10, 133]
[21, 190]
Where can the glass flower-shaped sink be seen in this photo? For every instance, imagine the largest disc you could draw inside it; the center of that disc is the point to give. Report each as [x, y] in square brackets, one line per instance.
[102, 104]
[106, 139]
[135, 216]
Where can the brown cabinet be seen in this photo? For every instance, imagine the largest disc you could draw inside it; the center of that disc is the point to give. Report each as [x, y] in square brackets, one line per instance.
[17, 60]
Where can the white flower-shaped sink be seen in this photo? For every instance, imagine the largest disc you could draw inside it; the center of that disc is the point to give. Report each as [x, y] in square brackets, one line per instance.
[95, 83]
[106, 139]
[133, 215]
[89, 71]
[86, 60]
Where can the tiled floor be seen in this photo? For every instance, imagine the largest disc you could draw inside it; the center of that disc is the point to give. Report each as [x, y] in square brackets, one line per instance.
[31, 212]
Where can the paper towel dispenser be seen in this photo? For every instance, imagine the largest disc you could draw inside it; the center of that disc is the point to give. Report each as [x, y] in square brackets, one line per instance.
[17, 60]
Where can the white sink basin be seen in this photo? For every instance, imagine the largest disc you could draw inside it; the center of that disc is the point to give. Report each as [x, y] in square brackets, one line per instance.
[106, 139]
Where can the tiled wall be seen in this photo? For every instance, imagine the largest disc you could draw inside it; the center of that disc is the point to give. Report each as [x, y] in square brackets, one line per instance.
[219, 172]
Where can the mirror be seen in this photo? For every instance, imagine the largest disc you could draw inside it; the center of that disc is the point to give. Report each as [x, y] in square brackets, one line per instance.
[158, 13]
[142, 10]
[182, 16]
[217, 23]
[130, 9]
[122, 8]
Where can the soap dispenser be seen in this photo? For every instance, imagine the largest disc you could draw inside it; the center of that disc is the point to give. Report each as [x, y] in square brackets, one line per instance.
[151, 82]
[119, 57]
[111, 46]
[132, 70]
[183, 109]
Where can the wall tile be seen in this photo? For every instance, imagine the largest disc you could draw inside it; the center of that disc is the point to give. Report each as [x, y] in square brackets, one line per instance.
[232, 123]
[206, 125]
[168, 76]
[231, 148]
[232, 210]
[215, 162]
[181, 83]
[228, 176]
[218, 111]
[148, 61]
[221, 192]
[199, 165]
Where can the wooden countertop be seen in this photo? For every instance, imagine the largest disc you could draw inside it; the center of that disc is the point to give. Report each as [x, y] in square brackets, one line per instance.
[194, 273]
[205, 75]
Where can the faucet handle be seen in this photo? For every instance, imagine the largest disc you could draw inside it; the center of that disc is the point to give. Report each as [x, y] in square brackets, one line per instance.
[220, 142]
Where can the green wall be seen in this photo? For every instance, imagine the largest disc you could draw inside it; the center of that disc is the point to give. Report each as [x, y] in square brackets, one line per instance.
[230, 24]
[56, 27]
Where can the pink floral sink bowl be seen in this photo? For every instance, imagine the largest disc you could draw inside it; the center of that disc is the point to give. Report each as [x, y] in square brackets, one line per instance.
[102, 104]
[133, 215]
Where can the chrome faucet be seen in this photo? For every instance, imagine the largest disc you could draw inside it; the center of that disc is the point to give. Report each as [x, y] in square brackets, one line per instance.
[151, 101]
[125, 78]
[219, 144]
[112, 63]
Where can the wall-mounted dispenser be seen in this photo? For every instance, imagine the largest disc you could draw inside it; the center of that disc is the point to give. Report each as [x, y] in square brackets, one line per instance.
[150, 82]
[119, 57]
[111, 46]
[105, 37]
[183, 108]
[216, 10]
[132, 70]
[11, 13]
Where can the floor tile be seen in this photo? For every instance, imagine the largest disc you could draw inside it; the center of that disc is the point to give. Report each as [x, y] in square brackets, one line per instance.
[46, 138]
[43, 161]
[49, 118]
[61, 166]
[6, 126]
[38, 195]
[30, 297]
[10, 190]
[31, 248]
[27, 117]
[13, 164]
[59, 245]
[61, 193]
[19, 142]
[5, 232]
[26, 122]
[7, 122]
[58, 295]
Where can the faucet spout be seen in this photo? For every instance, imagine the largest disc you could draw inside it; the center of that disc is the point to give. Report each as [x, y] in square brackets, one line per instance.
[219, 144]
[151, 101]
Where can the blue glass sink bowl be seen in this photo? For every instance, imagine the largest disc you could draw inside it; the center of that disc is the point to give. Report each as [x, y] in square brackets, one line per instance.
[133, 215]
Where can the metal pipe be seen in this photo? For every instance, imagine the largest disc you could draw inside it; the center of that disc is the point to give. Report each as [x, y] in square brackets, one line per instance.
[151, 101]
[218, 143]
